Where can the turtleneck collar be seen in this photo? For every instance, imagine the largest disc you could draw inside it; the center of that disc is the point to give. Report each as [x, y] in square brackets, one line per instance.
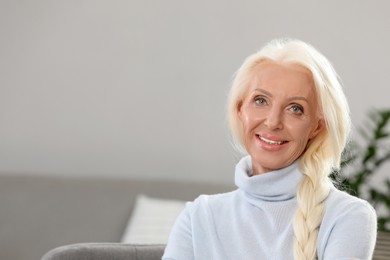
[278, 185]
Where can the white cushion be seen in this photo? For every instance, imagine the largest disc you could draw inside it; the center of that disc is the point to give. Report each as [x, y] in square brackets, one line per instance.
[151, 220]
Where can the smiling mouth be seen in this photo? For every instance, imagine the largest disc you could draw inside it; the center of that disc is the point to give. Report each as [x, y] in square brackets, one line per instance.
[272, 142]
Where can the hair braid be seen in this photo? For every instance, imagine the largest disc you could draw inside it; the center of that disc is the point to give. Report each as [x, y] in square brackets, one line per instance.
[311, 194]
[308, 218]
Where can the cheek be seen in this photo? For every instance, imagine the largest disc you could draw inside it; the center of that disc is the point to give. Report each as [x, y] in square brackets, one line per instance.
[250, 118]
[302, 132]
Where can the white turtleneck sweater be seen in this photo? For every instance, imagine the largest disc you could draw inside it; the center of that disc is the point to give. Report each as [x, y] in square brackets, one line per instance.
[255, 222]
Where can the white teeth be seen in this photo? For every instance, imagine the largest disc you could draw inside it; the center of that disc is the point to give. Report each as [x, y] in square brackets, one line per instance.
[270, 141]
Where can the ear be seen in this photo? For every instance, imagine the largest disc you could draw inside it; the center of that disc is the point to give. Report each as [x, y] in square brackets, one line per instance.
[239, 107]
[318, 129]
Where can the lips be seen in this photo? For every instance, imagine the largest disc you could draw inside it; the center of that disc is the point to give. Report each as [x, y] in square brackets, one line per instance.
[270, 141]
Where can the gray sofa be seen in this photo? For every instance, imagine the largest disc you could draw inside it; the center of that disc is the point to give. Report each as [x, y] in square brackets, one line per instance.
[115, 251]
[38, 214]
[84, 218]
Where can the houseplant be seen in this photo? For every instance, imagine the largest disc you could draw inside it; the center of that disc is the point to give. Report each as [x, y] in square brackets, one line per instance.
[361, 161]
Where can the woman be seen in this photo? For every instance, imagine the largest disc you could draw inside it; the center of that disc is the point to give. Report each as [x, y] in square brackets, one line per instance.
[288, 112]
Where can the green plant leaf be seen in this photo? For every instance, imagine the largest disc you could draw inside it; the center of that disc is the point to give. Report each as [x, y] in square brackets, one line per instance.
[362, 160]
[370, 153]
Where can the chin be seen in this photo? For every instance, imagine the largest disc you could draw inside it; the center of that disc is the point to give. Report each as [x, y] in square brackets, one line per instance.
[266, 164]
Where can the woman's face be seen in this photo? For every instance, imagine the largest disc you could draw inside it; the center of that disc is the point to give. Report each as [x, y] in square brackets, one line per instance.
[279, 115]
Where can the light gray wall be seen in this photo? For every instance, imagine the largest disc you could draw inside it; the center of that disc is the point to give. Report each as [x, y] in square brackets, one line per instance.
[138, 88]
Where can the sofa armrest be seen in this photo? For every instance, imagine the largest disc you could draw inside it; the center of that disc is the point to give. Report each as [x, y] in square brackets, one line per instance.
[105, 251]
[382, 247]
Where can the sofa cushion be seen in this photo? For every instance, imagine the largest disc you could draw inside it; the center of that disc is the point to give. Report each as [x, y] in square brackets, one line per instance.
[151, 220]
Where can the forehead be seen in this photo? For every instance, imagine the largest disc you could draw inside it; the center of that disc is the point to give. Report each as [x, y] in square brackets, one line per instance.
[286, 78]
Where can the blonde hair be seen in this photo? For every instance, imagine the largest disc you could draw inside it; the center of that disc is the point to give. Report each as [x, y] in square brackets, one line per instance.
[323, 153]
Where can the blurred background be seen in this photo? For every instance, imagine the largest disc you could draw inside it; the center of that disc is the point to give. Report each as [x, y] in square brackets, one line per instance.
[101, 101]
[138, 88]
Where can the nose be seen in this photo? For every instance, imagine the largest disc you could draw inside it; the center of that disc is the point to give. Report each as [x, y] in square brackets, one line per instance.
[274, 120]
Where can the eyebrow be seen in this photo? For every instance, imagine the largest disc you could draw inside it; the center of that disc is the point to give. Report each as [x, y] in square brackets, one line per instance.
[290, 98]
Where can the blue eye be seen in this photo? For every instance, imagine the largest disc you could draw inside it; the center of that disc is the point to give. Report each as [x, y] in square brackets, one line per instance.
[296, 109]
[260, 101]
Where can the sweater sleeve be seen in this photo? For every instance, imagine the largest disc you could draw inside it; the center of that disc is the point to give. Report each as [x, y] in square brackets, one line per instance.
[180, 244]
[353, 234]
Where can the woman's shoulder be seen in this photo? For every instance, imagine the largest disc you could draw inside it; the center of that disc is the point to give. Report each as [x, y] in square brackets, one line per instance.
[348, 227]
[343, 203]
[213, 201]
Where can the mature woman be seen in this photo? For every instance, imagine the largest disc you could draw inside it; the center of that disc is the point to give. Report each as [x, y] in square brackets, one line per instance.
[288, 112]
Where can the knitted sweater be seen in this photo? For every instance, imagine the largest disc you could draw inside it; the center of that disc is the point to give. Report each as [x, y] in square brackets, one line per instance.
[255, 222]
